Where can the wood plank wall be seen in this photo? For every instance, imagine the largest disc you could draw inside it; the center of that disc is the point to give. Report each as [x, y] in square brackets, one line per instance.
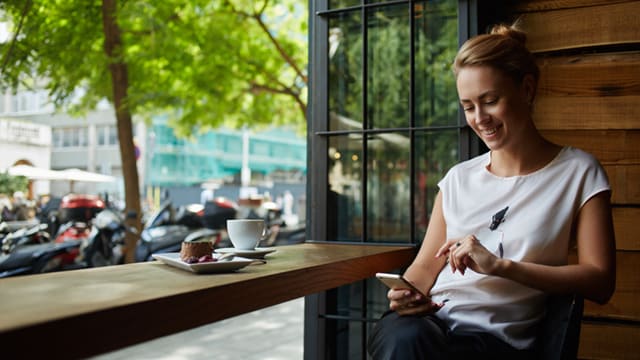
[589, 97]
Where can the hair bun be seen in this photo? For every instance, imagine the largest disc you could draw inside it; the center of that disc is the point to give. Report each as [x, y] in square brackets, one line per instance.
[509, 31]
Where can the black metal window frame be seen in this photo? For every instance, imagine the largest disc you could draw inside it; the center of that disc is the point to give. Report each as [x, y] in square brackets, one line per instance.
[316, 342]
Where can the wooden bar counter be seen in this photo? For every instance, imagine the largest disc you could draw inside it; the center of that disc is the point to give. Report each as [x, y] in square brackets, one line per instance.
[86, 312]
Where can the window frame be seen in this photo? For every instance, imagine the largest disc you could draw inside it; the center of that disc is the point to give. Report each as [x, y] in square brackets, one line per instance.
[316, 341]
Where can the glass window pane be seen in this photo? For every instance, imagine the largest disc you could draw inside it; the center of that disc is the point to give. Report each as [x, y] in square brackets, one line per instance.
[113, 135]
[344, 197]
[345, 72]
[388, 64]
[435, 154]
[101, 134]
[436, 39]
[339, 4]
[388, 188]
[84, 137]
[349, 305]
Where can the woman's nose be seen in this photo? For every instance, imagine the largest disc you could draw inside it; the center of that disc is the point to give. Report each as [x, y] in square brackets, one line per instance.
[481, 115]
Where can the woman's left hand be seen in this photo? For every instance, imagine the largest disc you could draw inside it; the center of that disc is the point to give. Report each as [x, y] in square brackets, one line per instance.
[468, 252]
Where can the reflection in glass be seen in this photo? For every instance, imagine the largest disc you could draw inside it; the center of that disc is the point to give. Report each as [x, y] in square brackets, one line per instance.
[388, 188]
[436, 38]
[435, 154]
[389, 172]
[344, 197]
[339, 4]
[388, 66]
[345, 72]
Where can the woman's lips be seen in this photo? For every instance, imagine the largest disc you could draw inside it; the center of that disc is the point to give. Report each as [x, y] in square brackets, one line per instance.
[489, 132]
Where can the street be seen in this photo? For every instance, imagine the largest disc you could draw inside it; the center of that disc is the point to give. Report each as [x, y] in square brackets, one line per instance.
[274, 333]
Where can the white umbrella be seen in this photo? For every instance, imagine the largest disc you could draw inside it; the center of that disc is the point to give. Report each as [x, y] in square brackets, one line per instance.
[34, 173]
[73, 175]
[81, 175]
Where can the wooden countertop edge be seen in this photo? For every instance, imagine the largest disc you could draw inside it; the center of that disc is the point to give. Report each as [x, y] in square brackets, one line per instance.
[113, 328]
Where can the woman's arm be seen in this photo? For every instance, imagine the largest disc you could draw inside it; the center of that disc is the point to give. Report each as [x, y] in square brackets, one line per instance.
[424, 270]
[425, 267]
[592, 277]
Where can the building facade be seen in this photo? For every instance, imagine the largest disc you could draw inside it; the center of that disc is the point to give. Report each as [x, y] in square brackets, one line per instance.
[90, 142]
[25, 143]
[273, 154]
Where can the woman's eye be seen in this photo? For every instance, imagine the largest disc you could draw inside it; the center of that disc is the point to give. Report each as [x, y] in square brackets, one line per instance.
[491, 101]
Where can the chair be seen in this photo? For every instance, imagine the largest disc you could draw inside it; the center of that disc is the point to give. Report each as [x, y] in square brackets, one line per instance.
[559, 333]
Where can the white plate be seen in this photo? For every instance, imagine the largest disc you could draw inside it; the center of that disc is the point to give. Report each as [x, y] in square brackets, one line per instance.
[257, 253]
[173, 259]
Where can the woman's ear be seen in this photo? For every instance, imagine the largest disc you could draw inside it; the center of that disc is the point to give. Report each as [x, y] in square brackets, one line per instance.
[529, 86]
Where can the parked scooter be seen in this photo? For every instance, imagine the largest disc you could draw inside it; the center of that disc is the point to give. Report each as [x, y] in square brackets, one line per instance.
[35, 258]
[29, 235]
[75, 215]
[29, 250]
[165, 230]
[104, 244]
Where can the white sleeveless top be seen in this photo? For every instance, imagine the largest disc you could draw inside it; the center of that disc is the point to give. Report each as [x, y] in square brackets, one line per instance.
[536, 228]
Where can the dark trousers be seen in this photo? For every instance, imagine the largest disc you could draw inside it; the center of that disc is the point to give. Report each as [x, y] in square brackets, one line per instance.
[414, 337]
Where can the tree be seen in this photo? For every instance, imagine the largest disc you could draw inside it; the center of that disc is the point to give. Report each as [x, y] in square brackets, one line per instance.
[10, 184]
[204, 62]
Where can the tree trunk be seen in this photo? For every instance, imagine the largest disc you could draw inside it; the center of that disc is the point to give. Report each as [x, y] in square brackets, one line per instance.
[120, 83]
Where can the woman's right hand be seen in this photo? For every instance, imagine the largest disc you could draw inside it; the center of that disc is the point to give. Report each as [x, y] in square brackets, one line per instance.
[408, 302]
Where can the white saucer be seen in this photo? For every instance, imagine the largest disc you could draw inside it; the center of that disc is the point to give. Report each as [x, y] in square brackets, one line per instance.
[257, 253]
[173, 259]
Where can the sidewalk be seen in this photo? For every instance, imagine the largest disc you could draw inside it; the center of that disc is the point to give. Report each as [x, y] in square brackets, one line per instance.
[274, 333]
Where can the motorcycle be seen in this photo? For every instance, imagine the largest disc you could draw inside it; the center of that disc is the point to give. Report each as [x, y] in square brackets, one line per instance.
[75, 231]
[102, 247]
[106, 239]
[29, 235]
[166, 229]
[27, 249]
[35, 258]
[74, 220]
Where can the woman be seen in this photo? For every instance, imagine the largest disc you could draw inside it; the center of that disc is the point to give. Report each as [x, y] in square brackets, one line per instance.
[502, 223]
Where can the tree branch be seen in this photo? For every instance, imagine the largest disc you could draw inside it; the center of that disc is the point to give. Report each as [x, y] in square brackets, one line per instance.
[256, 88]
[281, 51]
[257, 16]
[7, 55]
[264, 7]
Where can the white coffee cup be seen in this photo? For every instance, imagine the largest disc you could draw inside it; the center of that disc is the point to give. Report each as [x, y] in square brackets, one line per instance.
[245, 234]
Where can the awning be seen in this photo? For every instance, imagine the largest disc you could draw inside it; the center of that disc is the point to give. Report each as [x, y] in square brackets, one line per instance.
[35, 173]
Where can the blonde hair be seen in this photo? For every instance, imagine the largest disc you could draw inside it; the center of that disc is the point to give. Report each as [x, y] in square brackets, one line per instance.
[503, 48]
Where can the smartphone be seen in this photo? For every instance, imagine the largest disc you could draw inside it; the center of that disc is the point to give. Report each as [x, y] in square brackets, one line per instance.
[395, 281]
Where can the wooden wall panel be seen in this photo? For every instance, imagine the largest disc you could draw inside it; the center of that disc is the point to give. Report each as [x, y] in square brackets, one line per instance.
[625, 185]
[626, 222]
[609, 341]
[610, 24]
[611, 147]
[544, 5]
[588, 97]
[590, 91]
[624, 303]
[564, 112]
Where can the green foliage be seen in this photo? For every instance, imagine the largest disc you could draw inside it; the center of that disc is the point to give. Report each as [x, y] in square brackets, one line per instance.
[385, 94]
[10, 184]
[388, 66]
[204, 62]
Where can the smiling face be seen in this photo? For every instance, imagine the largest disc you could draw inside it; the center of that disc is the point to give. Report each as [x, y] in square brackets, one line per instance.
[496, 107]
